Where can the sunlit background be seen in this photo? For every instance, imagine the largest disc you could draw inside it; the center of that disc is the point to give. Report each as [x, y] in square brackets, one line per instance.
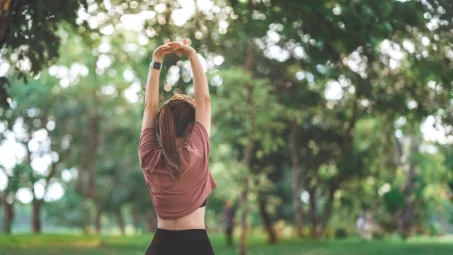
[353, 99]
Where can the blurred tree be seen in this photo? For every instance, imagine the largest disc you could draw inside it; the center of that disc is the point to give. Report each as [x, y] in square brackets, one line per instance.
[34, 113]
[255, 122]
[15, 179]
[339, 44]
[73, 211]
[29, 39]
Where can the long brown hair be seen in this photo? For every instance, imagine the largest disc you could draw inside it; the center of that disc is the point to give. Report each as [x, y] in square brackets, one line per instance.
[172, 121]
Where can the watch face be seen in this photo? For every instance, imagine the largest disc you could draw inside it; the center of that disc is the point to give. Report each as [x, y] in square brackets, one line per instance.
[156, 65]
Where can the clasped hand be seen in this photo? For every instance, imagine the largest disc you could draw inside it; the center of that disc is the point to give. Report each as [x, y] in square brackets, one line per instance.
[173, 48]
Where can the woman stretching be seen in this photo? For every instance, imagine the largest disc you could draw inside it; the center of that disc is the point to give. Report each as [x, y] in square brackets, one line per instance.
[174, 150]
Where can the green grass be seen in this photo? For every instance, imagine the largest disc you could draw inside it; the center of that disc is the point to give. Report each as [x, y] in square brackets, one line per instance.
[134, 245]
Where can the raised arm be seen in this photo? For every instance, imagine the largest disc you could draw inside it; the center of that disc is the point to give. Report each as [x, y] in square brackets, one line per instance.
[201, 90]
[200, 83]
[152, 87]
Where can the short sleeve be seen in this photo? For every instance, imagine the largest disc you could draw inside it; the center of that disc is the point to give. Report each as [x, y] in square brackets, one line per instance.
[198, 141]
[194, 154]
[148, 144]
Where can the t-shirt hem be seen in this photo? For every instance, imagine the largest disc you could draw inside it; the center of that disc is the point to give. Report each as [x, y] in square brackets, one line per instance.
[188, 211]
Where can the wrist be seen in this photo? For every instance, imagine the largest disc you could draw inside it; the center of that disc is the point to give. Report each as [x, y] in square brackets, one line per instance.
[157, 59]
[192, 55]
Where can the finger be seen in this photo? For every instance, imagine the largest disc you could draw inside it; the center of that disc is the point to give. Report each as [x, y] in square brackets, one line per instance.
[162, 50]
[168, 52]
[167, 41]
[172, 44]
[177, 48]
[172, 49]
[186, 41]
[166, 48]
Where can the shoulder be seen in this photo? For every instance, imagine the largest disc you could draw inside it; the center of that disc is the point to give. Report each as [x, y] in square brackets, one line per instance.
[200, 129]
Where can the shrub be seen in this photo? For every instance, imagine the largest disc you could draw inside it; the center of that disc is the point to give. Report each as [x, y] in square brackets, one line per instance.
[341, 233]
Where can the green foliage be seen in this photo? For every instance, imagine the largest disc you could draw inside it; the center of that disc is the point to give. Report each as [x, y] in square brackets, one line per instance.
[29, 30]
[394, 200]
[74, 211]
[17, 179]
[341, 233]
[250, 107]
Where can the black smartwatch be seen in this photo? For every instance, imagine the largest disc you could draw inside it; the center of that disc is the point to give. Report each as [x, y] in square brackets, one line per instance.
[155, 65]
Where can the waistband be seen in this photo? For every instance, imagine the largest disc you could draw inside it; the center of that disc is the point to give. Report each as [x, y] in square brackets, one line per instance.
[184, 233]
[198, 230]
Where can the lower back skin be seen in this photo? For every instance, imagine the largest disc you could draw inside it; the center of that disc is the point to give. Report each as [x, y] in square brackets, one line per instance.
[194, 220]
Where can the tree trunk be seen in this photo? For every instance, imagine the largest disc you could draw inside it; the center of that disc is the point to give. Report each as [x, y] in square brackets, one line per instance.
[314, 218]
[408, 214]
[243, 199]
[36, 216]
[94, 132]
[296, 173]
[267, 222]
[328, 209]
[397, 156]
[151, 222]
[97, 221]
[8, 210]
[4, 29]
[135, 217]
[248, 150]
[243, 202]
[120, 221]
[399, 223]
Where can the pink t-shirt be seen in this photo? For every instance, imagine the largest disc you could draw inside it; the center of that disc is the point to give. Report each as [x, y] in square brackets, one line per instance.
[172, 198]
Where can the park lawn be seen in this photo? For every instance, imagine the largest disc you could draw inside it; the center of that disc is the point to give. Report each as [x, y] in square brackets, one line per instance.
[136, 245]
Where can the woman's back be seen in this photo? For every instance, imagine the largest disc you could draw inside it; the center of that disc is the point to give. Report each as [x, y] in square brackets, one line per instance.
[178, 201]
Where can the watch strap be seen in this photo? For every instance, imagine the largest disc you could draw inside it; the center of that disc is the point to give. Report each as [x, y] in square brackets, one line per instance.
[156, 65]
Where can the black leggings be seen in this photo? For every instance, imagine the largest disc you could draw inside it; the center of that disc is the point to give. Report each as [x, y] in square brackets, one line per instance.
[180, 242]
